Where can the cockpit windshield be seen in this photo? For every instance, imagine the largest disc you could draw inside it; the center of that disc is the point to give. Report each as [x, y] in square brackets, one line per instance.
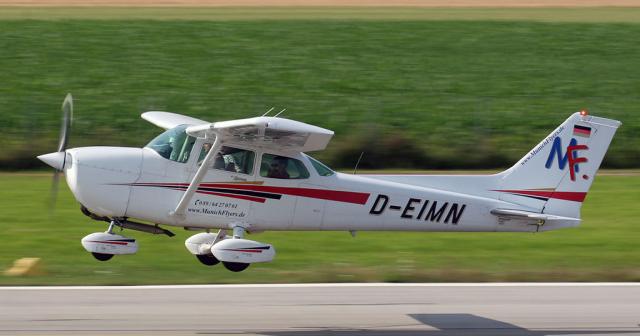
[320, 167]
[174, 144]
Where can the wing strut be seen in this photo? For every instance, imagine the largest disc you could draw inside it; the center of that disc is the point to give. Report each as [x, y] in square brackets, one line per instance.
[197, 178]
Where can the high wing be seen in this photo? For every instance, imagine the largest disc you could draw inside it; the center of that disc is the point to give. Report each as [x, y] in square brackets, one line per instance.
[264, 132]
[267, 132]
[168, 120]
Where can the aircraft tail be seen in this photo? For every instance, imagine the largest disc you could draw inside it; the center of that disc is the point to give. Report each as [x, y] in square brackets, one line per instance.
[556, 174]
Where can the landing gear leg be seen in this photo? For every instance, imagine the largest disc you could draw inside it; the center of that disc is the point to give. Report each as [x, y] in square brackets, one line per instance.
[238, 232]
[111, 225]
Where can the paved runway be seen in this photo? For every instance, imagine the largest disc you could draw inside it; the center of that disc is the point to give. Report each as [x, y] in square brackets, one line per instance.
[340, 310]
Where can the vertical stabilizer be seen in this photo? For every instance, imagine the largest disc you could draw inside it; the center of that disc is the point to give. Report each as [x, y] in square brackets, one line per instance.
[555, 175]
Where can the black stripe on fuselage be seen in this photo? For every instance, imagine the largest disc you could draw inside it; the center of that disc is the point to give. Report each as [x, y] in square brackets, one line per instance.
[219, 190]
[242, 192]
[531, 196]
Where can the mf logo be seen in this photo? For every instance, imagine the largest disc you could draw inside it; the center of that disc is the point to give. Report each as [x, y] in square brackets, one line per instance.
[570, 156]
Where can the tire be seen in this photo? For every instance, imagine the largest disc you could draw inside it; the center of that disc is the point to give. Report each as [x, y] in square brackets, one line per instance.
[235, 267]
[207, 259]
[102, 256]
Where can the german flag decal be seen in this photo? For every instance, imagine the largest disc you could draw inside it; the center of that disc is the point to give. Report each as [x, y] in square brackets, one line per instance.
[582, 131]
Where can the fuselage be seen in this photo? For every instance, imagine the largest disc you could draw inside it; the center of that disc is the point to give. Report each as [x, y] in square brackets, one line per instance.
[142, 183]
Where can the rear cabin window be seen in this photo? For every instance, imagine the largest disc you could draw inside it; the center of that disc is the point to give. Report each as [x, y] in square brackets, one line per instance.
[230, 159]
[282, 167]
[174, 144]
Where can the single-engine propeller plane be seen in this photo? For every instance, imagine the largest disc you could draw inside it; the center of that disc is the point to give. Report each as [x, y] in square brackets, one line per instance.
[252, 175]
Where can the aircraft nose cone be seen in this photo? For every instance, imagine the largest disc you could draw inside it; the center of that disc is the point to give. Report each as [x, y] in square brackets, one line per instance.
[55, 159]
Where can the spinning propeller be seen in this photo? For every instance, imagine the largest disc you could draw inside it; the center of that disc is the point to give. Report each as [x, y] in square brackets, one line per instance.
[58, 159]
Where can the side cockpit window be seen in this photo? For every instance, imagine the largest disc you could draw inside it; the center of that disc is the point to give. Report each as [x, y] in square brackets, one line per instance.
[230, 159]
[174, 144]
[282, 167]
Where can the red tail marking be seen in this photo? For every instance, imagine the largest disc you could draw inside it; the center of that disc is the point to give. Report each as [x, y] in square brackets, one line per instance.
[575, 160]
[563, 195]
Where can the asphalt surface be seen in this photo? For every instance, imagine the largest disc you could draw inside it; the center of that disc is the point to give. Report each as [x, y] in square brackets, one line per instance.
[341, 310]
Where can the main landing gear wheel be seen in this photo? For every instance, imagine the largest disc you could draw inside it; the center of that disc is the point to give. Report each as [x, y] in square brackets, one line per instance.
[102, 256]
[208, 259]
[235, 266]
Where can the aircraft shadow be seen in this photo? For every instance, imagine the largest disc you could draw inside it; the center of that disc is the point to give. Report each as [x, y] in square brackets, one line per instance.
[453, 325]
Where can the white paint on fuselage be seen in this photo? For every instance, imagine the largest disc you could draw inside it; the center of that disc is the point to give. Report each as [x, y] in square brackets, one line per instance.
[100, 176]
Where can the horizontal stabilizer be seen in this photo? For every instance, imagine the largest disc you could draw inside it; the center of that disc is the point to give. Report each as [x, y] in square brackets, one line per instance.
[521, 214]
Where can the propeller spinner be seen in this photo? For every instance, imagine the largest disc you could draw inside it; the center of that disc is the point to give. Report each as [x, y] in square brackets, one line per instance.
[58, 159]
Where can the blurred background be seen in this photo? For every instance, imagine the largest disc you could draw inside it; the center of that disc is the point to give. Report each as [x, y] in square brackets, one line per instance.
[415, 88]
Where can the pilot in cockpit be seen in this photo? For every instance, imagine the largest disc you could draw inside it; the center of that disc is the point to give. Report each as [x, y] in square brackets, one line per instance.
[278, 168]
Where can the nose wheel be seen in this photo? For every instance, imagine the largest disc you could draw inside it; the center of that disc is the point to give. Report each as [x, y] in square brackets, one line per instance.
[102, 256]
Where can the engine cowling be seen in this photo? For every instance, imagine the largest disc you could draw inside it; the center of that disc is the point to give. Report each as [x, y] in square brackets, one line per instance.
[243, 251]
[109, 243]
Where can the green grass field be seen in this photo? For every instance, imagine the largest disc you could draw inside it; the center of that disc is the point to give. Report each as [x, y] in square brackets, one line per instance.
[603, 248]
[475, 88]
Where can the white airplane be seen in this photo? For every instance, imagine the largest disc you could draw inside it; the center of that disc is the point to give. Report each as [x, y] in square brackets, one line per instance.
[252, 175]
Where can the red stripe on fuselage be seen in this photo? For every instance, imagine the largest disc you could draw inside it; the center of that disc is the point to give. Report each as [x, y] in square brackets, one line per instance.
[329, 195]
[109, 242]
[563, 195]
[243, 250]
[243, 197]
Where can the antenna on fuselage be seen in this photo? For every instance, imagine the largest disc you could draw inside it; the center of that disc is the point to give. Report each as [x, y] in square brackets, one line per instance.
[355, 169]
[271, 109]
[277, 114]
